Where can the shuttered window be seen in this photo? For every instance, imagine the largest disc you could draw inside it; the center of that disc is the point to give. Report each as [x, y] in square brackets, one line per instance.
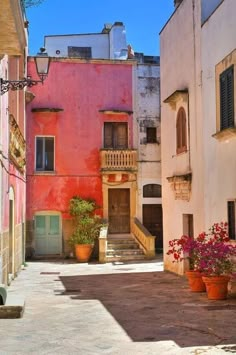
[227, 98]
[151, 134]
[115, 135]
[181, 131]
[231, 220]
[152, 190]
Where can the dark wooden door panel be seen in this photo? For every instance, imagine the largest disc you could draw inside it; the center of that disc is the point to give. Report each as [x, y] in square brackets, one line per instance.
[119, 210]
[152, 220]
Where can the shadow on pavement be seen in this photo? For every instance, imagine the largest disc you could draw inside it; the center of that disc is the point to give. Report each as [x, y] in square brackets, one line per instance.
[157, 306]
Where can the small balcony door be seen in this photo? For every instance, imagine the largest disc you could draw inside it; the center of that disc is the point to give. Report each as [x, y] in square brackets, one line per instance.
[115, 135]
[48, 238]
[119, 210]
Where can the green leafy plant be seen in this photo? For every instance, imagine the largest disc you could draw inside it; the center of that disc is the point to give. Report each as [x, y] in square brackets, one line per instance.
[86, 223]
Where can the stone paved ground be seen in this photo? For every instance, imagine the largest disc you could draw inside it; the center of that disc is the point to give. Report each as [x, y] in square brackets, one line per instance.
[118, 309]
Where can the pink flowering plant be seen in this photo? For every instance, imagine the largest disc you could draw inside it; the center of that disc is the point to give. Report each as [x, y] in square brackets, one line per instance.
[210, 253]
[216, 254]
[185, 248]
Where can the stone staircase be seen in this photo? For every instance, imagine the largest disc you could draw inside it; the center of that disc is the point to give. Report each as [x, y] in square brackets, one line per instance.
[123, 247]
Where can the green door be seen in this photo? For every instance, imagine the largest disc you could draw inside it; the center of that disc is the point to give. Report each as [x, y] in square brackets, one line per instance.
[48, 238]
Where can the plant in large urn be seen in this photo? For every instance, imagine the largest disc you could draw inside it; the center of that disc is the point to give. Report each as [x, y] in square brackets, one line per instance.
[86, 227]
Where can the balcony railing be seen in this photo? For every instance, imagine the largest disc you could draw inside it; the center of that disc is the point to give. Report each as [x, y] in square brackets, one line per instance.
[118, 159]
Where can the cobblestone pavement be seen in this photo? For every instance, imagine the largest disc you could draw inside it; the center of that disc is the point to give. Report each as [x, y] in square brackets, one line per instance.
[116, 308]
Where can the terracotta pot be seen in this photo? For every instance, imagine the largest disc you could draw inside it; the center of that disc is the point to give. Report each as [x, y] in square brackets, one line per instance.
[195, 281]
[83, 252]
[216, 286]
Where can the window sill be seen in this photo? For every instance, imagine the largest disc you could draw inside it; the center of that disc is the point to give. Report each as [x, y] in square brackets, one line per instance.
[181, 151]
[36, 172]
[225, 134]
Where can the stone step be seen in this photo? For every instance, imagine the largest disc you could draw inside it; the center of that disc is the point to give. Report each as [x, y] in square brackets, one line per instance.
[122, 252]
[120, 246]
[123, 248]
[110, 258]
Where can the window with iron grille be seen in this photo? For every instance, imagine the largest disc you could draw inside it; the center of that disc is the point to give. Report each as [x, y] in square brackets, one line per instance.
[115, 135]
[181, 131]
[81, 52]
[231, 219]
[44, 153]
[152, 190]
[151, 134]
[227, 98]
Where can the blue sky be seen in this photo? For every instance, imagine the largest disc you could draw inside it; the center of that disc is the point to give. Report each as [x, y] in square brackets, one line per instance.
[143, 20]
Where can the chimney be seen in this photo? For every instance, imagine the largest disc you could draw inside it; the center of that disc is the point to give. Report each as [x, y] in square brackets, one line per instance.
[177, 3]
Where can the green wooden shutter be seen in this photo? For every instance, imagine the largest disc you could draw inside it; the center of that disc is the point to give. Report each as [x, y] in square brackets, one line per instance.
[227, 98]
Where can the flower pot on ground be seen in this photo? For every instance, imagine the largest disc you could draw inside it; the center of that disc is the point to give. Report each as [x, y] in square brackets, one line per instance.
[211, 254]
[83, 252]
[195, 281]
[216, 255]
[216, 286]
[86, 227]
[186, 248]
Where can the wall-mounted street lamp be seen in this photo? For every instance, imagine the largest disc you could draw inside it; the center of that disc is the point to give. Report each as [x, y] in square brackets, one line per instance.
[42, 62]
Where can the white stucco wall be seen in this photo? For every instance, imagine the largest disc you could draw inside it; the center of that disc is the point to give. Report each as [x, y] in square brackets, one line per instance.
[117, 40]
[180, 69]
[147, 115]
[218, 41]
[98, 42]
[103, 45]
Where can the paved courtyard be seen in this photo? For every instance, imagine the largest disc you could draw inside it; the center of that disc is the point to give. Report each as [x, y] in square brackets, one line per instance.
[128, 309]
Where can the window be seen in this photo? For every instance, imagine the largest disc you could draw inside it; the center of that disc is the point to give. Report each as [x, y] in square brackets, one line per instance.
[44, 153]
[231, 219]
[151, 134]
[188, 225]
[181, 131]
[227, 98]
[82, 52]
[152, 190]
[115, 135]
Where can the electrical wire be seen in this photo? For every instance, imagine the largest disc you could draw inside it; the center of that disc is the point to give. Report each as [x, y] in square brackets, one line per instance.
[11, 174]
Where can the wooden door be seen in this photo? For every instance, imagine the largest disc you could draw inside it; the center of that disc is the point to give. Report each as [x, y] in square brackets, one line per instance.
[48, 239]
[119, 210]
[152, 220]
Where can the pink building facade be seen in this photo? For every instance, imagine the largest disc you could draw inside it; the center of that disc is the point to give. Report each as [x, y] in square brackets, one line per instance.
[79, 142]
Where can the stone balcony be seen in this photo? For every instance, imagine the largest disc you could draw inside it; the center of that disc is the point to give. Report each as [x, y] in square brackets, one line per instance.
[118, 160]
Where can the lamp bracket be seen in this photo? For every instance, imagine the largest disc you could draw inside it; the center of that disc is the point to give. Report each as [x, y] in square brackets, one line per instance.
[17, 84]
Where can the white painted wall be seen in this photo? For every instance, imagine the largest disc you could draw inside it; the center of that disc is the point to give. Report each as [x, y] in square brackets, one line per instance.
[180, 69]
[98, 42]
[117, 40]
[218, 41]
[103, 45]
[147, 114]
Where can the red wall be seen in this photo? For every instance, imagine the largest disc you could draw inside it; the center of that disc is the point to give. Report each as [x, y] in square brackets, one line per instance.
[81, 90]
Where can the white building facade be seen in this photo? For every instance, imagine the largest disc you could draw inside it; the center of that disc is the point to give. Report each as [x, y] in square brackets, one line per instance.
[198, 119]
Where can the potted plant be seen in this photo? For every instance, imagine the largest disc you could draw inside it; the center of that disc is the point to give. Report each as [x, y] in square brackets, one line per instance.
[86, 225]
[217, 260]
[187, 248]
